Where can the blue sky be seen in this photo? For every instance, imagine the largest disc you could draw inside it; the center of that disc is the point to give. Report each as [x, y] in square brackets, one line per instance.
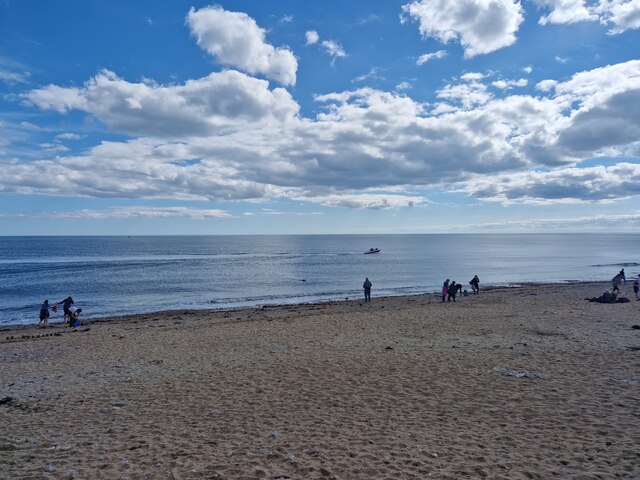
[248, 117]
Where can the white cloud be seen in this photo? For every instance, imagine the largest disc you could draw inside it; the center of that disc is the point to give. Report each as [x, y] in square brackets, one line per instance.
[69, 136]
[215, 103]
[422, 59]
[509, 84]
[527, 69]
[468, 94]
[255, 146]
[619, 15]
[373, 201]
[236, 40]
[403, 86]
[559, 59]
[312, 37]
[129, 212]
[10, 77]
[480, 26]
[374, 74]
[565, 11]
[546, 85]
[334, 49]
[567, 185]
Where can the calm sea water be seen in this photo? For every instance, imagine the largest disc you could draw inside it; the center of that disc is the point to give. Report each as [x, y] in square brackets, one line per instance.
[119, 275]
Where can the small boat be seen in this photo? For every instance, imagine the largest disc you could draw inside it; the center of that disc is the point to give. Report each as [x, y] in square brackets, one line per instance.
[372, 250]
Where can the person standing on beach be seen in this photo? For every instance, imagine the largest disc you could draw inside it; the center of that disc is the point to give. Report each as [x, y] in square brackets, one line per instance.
[624, 277]
[66, 304]
[445, 289]
[475, 284]
[636, 288]
[616, 281]
[367, 289]
[453, 289]
[44, 313]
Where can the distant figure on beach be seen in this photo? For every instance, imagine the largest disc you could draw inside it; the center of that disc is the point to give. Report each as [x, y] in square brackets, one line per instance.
[636, 288]
[615, 282]
[66, 304]
[453, 290]
[445, 289]
[608, 297]
[475, 284]
[367, 289]
[44, 313]
[75, 316]
[622, 274]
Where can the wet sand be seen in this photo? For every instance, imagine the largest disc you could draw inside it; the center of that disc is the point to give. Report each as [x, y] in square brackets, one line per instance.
[529, 382]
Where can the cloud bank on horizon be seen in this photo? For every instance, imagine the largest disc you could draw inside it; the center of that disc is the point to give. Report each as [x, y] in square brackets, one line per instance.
[249, 131]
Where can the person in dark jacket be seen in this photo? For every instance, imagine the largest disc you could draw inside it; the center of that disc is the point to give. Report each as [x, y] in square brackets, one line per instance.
[453, 290]
[367, 289]
[44, 313]
[475, 284]
[66, 303]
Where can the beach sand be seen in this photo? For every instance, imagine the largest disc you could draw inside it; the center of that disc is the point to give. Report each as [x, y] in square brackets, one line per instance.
[529, 382]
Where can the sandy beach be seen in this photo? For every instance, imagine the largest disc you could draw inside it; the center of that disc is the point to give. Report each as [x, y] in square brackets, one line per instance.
[527, 382]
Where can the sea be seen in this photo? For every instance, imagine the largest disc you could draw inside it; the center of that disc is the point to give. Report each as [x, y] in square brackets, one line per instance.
[118, 275]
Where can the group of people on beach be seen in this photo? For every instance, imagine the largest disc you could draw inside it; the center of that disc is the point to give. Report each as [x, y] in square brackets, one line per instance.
[71, 312]
[614, 295]
[449, 288]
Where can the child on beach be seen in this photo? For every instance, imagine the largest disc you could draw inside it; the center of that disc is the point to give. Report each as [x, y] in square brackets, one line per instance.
[74, 321]
[445, 289]
[44, 313]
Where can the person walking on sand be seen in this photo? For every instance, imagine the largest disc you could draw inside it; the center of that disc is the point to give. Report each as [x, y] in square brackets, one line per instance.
[636, 288]
[44, 313]
[445, 289]
[475, 284]
[367, 289]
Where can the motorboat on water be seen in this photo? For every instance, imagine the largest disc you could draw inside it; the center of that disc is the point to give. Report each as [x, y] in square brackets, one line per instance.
[372, 250]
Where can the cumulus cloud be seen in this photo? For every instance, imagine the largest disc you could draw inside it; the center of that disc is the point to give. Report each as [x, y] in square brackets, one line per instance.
[422, 59]
[619, 15]
[228, 136]
[469, 93]
[565, 11]
[205, 106]
[236, 40]
[480, 26]
[566, 185]
[312, 37]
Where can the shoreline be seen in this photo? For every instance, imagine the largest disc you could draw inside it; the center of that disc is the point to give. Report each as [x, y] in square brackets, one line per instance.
[210, 311]
[529, 382]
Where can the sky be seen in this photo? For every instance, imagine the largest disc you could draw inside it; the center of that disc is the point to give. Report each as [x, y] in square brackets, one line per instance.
[335, 116]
